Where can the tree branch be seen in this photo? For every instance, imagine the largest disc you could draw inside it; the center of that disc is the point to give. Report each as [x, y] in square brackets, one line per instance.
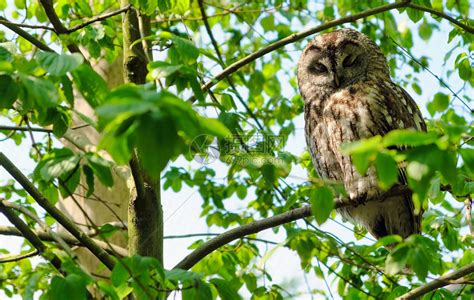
[184, 236]
[145, 213]
[85, 240]
[43, 225]
[438, 283]
[99, 18]
[5, 259]
[257, 226]
[223, 65]
[295, 37]
[25, 35]
[30, 236]
[34, 240]
[5, 22]
[442, 15]
[228, 12]
[209, 31]
[58, 26]
[44, 236]
[21, 128]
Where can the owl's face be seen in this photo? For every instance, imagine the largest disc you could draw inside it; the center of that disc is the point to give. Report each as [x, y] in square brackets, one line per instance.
[338, 59]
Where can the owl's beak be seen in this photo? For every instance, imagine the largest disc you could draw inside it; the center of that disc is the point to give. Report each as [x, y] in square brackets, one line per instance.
[336, 80]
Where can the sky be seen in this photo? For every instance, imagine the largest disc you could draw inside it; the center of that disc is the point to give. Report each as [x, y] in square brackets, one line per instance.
[182, 210]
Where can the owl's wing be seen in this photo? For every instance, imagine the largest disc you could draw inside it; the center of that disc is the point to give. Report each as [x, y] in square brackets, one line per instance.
[408, 116]
[413, 117]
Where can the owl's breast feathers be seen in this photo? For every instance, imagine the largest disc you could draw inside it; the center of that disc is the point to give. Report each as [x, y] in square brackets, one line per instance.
[362, 110]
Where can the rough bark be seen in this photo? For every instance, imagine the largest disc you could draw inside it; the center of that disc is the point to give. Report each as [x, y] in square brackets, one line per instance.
[145, 214]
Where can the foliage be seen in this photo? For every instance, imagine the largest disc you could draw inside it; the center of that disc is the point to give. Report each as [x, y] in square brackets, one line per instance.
[256, 112]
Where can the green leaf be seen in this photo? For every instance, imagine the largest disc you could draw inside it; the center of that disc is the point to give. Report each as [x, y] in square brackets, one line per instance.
[450, 237]
[61, 121]
[396, 260]
[89, 179]
[201, 291]
[467, 155]
[416, 88]
[440, 103]
[464, 69]
[362, 161]
[58, 163]
[387, 170]
[32, 285]
[214, 127]
[425, 30]
[161, 69]
[39, 91]
[67, 89]
[69, 182]
[388, 240]
[268, 22]
[152, 133]
[183, 50]
[406, 137]
[90, 84]
[119, 274]
[363, 152]
[5, 54]
[414, 14]
[108, 290]
[101, 169]
[256, 83]
[224, 289]
[227, 102]
[181, 275]
[72, 285]
[164, 5]
[83, 7]
[9, 89]
[58, 65]
[367, 145]
[420, 263]
[322, 203]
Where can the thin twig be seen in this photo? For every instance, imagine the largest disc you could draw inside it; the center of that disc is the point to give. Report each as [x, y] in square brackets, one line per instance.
[44, 236]
[347, 280]
[21, 128]
[295, 37]
[5, 22]
[408, 54]
[438, 283]
[11, 258]
[223, 65]
[43, 225]
[25, 35]
[257, 226]
[98, 19]
[370, 265]
[58, 26]
[325, 280]
[30, 236]
[184, 236]
[217, 15]
[103, 256]
[442, 15]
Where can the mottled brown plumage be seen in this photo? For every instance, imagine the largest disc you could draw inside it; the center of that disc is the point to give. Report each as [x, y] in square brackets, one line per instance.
[345, 81]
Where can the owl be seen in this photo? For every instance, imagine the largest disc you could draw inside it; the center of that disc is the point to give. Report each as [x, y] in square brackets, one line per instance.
[348, 95]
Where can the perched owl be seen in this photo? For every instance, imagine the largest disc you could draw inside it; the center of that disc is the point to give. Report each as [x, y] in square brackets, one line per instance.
[345, 82]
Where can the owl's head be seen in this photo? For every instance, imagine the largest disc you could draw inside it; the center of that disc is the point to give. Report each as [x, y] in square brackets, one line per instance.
[338, 59]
